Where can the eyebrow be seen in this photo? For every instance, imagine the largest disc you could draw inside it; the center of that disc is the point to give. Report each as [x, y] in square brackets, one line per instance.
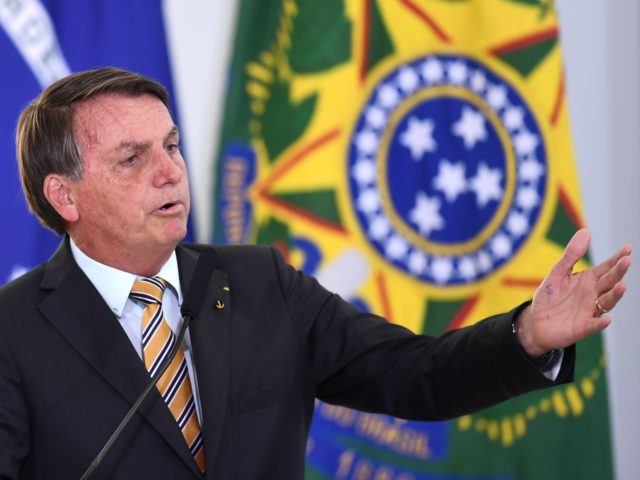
[145, 145]
[173, 132]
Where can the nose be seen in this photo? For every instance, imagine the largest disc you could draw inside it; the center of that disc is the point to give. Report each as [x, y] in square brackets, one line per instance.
[170, 169]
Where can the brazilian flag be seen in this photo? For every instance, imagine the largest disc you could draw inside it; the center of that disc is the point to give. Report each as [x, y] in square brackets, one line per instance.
[415, 156]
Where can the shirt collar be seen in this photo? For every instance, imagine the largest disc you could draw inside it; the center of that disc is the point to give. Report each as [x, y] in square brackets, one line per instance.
[114, 285]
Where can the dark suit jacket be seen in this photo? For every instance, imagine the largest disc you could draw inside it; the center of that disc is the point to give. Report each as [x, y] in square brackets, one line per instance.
[68, 372]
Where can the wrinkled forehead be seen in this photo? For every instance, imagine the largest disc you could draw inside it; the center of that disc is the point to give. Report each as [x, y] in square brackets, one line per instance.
[114, 117]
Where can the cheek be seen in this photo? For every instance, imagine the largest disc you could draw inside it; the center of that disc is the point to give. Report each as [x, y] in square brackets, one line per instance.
[108, 203]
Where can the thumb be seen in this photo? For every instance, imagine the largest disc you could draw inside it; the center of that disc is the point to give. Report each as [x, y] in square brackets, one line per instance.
[573, 252]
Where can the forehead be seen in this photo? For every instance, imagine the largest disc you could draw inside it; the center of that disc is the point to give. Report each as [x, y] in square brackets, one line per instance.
[105, 121]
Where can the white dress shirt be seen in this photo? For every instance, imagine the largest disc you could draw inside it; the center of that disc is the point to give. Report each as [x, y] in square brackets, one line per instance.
[115, 286]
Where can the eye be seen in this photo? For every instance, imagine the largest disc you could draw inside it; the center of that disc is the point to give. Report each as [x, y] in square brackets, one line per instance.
[173, 147]
[129, 161]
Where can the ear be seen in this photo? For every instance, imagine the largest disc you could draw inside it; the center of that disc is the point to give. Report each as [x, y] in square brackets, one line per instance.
[57, 190]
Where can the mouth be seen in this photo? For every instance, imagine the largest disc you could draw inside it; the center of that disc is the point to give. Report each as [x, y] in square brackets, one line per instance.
[170, 208]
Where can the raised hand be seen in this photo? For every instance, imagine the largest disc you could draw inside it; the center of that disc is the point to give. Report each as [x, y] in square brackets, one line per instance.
[567, 306]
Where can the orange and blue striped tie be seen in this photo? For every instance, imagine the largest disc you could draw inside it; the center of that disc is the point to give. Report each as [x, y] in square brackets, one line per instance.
[174, 385]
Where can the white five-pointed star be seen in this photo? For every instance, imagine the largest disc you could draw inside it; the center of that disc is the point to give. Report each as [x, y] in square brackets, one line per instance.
[408, 80]
[417, 262]
[432, 70]
[527, 198]
[484, 261]
[442, 269]
[478, 81]
[531, 170]
[525, 143]
[497, 97]
[513, 118]
[367, 142]
[388, 96]
[486, 185]
[376, 117]
[470, 127]
[450, 180]
[368, 200]
[501, 246]
[379, 227]
[396, 247]
[418, 137]
[426, 214]
[457, 72]
[467, 268]
[364, 171]
[517, 224]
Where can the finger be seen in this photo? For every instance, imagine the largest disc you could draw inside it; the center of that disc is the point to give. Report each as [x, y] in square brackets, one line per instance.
[599, 324]
[614, 274]
[573, 252]
[608, 264]
[593, 325]
[609, 299]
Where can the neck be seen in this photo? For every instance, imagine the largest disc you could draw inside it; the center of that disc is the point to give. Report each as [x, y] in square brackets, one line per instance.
[145, 263]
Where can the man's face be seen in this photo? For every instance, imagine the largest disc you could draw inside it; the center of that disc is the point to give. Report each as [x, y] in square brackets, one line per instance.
[133, 198]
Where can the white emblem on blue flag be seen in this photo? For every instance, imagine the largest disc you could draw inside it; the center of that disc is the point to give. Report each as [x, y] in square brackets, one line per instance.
[29, 27]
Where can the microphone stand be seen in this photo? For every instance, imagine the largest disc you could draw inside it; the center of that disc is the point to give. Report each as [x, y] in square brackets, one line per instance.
[190, 309]
[186, 319]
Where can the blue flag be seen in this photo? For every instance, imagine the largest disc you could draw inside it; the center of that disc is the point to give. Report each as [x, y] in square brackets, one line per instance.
[41, 41]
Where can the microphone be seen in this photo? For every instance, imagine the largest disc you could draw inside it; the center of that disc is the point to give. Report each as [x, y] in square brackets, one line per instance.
[197, 289]
[190, 309]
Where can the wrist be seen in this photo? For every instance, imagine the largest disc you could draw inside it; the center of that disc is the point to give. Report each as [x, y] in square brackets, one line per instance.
[524, 334]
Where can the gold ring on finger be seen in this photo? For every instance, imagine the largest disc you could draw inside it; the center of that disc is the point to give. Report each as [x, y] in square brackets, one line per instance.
[600, 308]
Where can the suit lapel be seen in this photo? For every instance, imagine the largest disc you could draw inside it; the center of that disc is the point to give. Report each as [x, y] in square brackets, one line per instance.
[79, 313]
[210, 338]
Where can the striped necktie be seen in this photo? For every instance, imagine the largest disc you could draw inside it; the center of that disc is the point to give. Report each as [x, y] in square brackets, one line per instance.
[174, 385]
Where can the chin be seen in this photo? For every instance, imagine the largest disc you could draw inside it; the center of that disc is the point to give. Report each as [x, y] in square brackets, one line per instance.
[177, 235]
[169, 233]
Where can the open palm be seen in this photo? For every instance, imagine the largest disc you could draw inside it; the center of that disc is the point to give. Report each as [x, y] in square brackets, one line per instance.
[564, 308]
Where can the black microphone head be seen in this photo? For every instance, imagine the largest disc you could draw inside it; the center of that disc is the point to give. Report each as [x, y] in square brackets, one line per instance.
[197, 289]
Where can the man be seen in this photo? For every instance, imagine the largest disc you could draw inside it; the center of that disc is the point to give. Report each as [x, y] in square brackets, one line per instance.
[100, 164]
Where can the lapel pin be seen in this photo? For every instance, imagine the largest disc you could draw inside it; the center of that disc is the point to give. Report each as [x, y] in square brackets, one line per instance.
[226, 289]
[219, 305]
